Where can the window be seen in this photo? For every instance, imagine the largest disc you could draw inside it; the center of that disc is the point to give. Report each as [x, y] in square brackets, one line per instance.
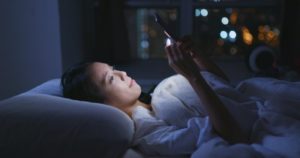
[219, 27]
[235, 31]
[146, 37]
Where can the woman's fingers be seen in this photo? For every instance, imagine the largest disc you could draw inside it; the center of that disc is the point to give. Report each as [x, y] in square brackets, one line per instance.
[178, 53]
[168, 52]
[170, 55]
[173, 52]
[173, 56]
[180, 60]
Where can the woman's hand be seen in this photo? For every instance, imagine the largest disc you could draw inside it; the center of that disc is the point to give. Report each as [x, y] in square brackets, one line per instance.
[186, 44]
[181, 60]
[203, 62]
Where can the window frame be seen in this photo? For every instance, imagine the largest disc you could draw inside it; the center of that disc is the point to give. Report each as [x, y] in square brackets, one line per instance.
[187, 7]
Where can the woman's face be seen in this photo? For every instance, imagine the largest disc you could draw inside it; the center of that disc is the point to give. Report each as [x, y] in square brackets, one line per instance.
[118, 89]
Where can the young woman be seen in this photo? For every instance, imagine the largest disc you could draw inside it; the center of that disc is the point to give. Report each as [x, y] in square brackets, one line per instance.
[99, 82]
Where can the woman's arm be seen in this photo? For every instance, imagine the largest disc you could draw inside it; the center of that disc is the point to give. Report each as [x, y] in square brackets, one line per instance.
[223, 122]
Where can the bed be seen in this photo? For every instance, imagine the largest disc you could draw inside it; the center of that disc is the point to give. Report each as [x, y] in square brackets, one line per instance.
[278, 127]
[37, 123]
[275, 131]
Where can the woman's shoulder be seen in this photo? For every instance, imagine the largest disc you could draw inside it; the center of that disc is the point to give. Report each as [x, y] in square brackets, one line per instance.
[178, 81]
[172, 83]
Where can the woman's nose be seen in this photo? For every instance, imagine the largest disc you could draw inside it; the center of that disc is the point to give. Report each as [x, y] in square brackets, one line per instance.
[124, 73]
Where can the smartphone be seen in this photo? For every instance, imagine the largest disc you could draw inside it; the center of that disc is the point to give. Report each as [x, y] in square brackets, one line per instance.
[163, 25]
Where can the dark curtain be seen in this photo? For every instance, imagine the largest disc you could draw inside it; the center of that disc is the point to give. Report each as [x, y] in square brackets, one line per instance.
[110, 36]
[290, 34]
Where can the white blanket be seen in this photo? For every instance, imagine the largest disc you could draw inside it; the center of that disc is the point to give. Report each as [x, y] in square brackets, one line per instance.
[178, 125]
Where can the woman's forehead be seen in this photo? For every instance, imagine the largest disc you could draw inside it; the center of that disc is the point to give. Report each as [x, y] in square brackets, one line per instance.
[99, 70]
[100, 66]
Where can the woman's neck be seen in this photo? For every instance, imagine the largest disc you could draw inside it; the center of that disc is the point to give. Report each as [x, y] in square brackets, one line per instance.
[130, 109]
[147, 106]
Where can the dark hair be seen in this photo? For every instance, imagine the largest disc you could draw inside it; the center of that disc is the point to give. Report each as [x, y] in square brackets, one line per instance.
[77, 84]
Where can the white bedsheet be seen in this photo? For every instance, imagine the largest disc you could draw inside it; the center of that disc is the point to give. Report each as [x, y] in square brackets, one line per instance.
[178, 125]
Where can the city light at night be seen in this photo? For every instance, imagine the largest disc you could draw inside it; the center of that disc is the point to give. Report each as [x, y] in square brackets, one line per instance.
[223, 34]
[225, 20]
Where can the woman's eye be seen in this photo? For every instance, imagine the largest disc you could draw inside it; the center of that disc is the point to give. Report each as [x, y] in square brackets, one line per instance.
[111, 79]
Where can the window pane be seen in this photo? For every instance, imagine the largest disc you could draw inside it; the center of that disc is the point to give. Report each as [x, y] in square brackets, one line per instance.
[147, 39]
[235, 31]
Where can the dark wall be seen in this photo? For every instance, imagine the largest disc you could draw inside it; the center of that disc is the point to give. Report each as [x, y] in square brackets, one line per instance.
[72, 35]
[29, 44]
[41, 39]
[290, 43]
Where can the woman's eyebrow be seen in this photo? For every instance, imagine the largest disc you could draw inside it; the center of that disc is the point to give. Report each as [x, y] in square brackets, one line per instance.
[104, 78]
[105, 74]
